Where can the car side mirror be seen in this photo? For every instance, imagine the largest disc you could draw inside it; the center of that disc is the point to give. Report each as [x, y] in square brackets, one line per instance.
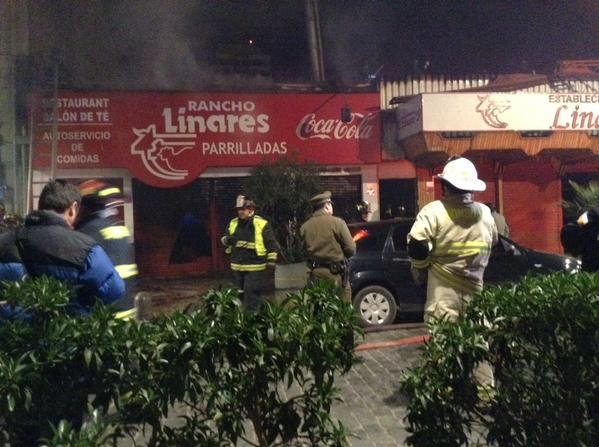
[514, 251]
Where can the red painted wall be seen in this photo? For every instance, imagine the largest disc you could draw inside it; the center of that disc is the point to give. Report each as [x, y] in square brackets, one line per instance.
[532, 195]
[485, 173]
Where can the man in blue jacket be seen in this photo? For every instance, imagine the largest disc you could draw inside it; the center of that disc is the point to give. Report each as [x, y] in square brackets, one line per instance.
[47, 245]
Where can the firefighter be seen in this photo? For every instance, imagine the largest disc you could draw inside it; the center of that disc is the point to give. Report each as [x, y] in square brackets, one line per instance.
[47, 245]
[450, 242]
[449, 247]
[251, 243]
[99, 219]
[329, 244]
[364, 210]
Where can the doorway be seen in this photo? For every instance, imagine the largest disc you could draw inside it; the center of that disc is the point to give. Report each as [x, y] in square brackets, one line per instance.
[397, 198]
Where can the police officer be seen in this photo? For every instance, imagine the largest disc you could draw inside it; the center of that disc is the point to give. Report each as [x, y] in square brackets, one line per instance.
[502, 226]
[252, 245]
[99, 219]
[329, 243]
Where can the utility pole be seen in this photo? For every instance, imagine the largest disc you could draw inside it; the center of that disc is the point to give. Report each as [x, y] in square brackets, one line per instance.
[314, 40]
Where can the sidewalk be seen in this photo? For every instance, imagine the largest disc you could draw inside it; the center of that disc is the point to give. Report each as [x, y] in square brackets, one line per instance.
[373, 409]
[178, 293]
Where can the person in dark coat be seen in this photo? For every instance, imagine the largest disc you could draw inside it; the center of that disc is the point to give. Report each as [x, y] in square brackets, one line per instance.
[47, 245]
[581, 238]
[99, 219]
[251, 243]
[363, 209]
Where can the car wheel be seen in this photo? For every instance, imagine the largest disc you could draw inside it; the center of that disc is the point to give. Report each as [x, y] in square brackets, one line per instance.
[376, 306]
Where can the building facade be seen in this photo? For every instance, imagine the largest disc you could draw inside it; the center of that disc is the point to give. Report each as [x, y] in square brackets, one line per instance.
[529, 136]
[183, 157]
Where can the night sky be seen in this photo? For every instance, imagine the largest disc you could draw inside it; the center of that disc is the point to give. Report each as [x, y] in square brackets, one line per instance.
[171, 44]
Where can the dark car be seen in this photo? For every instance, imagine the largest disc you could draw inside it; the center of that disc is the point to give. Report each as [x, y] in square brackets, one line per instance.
[382, 283]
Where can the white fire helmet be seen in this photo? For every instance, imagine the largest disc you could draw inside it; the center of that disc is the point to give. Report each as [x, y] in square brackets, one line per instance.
[461, 174]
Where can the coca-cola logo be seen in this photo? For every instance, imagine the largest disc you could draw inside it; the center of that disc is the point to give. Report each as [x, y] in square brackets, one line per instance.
[360, 127]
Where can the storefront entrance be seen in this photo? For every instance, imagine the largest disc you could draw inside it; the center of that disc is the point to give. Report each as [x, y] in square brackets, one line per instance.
[172, 229]
[398, 198]
[177, 231]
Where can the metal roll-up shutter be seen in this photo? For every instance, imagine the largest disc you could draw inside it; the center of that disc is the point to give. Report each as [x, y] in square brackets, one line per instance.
[347, 193]
[172, 229]
[224, 191]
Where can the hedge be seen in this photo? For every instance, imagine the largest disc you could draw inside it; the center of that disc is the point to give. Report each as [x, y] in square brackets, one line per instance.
[542, 338]
[73, 381]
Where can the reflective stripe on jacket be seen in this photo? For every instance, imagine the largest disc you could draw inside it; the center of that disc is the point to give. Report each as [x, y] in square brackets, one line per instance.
[47, 246]
[252, 245]
[117, 241]
[258, 245]
[460, 237]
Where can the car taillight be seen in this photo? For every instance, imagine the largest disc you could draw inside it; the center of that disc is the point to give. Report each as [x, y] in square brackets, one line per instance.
[362, 234]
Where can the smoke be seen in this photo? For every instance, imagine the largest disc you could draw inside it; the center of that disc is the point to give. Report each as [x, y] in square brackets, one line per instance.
[152, 45]
[176, 44]
[173, 45]
[138, 45]
[457, 37]
[354, 35]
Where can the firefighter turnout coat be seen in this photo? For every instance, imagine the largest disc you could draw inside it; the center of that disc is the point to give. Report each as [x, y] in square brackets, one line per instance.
[459, 238]
[251, 244]
[117, 242]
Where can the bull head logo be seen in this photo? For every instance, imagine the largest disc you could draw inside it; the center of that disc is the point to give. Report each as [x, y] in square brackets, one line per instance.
[158, 150]
[490, 110]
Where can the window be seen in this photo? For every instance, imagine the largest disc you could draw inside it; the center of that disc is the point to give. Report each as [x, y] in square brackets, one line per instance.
[536, 133]
[371, 238]
[398, 198]
[400, 234]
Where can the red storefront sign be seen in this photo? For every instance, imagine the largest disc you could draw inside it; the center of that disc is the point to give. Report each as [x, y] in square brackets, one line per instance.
[168, 139]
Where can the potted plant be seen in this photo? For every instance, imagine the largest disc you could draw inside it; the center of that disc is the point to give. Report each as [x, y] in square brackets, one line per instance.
[584, 198]
[282, 191]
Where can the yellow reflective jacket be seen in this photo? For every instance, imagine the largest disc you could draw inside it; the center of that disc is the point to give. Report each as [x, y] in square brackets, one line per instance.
[460, 237]
[250, 243]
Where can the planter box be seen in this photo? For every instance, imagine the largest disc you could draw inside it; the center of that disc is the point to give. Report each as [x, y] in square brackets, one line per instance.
[291, 276]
